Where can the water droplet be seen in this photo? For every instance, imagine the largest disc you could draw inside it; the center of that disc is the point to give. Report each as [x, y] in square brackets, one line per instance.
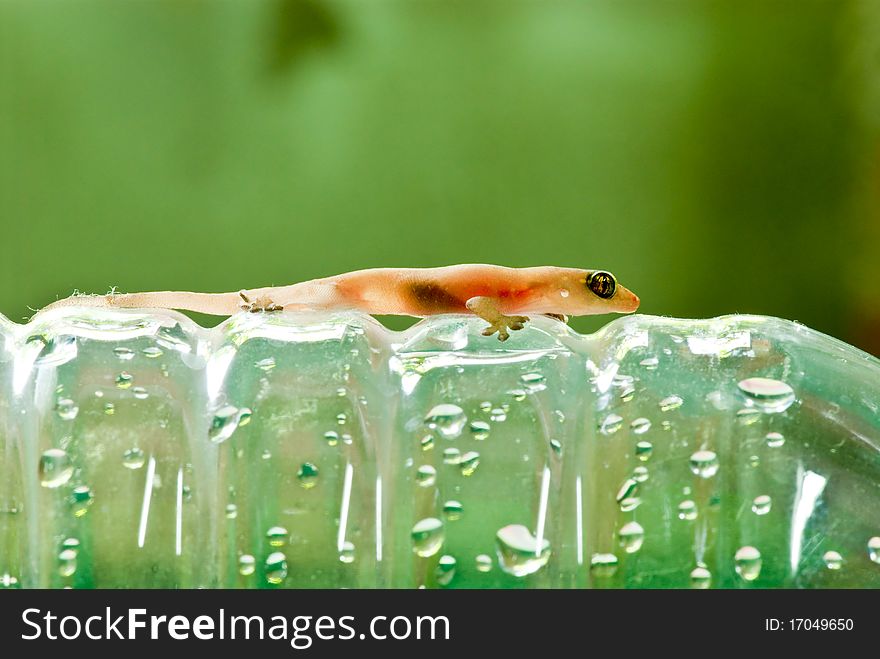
[775, 439]
[140, 393]
[266, 454]
[640, 426]
[276, 568]
[452, 510]
[426, 475]
[124, 354]
[754, 461]
[631, 536]
[644, 450]
[80, 499]
[640, 474]
[747, 416]
[427, 536]
[762, 504]
[627, 394]
[66, 409]
[485, 406]
[277, 536]
[519, 395]
[564, 292]
[427, 442]
[628, 489]
[671, 403]
[67, 563]
[630, 503]
[771, 396]
[231, 511]
[346, 439]
[7, 581]
[266, 364]
[833, 560]
[152, 352]
[701, 578]
[70, 543]
[124, 380]
[650, 363]
[748, 563]
[534, 382]
[109, 409]
[498, 415]
[55, 468]
[346, 555]
[469, 463]
[446, 419]
[247, 564]
[307, 475]
[133, 458]
[874, 549]
[704, 464]
[519, 552]
[484, 563]
[603, 565]
[687, 510]
[342, 392]
[445, 570]
[225, 422]
[556, 445]
[331, 437]
[611, 424]
[451, 456]
[341, 418]
[480, 430]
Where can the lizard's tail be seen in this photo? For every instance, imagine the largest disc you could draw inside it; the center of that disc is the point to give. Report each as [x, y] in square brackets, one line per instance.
[215, 304]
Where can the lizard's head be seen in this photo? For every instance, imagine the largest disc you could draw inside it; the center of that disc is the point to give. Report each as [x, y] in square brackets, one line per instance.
[588, 292]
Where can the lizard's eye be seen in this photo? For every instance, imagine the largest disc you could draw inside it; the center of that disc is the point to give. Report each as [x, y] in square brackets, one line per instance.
[602, 284]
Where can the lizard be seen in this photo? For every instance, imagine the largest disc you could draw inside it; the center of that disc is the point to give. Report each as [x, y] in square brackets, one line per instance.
[497, 294]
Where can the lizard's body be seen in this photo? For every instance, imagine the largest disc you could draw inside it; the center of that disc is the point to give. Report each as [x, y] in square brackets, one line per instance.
[495, 293]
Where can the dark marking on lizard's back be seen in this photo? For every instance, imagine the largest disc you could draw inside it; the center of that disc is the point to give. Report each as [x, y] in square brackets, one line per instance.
[432, 298]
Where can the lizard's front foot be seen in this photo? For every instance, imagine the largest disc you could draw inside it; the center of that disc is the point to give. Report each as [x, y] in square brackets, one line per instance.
[503, 323]
[261, 303]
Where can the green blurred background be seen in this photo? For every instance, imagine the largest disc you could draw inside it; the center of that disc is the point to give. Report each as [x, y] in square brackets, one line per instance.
[719, 157]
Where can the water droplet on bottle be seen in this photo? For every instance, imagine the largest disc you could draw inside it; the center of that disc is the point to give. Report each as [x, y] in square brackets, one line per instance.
[124, 380]
[603, 565]
[650, 363]
[446, 419]
[71, 543]
[485, 406]
[484, 563]
[152, 352]
[341, 418]
[247, 564]
[519, 395]
[640, 426]
[631, 536]
[519, 552]
[628, 489]
[748, 563]
[640, 474]
[644, 450]
[611, 424]
[427, 536]
[133, 458]
[833, 560]
[331, 437]
[748, 416]
[7, 581]
[140, 393]
[80, 499]
[66, 409]
[627, 394]
[687, 510]
[55, 468]
[762, 504]
[307, 475]
[534, 382]
[109, 409]
[480, 430]
[874, 549]
[346, 439]
[701, 578]
[231, 511]
[775, 439]
[556, 445]
[451, 456]
[427, 442]
[346, 555]
[452, 510]
[426, 476]
[276, 568]
[498, 415]
[670, 403]
[67, 563]
[225, 422]
[124, 354]
[266, 364]
[469, 463]
[704, 464]
[771, 396]
[445, 570]
[277, 536]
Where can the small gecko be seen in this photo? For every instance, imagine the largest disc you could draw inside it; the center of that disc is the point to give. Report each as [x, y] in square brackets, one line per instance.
[497, 294]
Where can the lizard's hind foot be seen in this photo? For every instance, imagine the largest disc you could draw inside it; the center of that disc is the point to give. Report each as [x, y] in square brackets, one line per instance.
[259, 304]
